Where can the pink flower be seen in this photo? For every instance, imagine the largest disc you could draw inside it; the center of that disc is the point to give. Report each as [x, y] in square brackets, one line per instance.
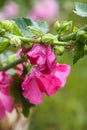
[6, 102]
[40, 82]
[40, 55]
[10, 10]
[46, 77]
[44, 9]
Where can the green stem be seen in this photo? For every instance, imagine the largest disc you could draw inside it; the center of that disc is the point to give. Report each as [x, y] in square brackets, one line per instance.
[63, 43]
[30, 40]
[10, 65]
[72, 35]
[40, 41]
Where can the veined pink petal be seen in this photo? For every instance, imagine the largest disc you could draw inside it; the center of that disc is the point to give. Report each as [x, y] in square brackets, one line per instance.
[61, 72]
[32, 92]
[49, 84]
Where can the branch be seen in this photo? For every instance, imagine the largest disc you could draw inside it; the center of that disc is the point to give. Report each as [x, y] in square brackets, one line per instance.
[10, 65]
[72, 35]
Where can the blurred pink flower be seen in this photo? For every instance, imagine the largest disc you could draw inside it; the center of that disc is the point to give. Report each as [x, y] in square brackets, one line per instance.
[6, 102]
[44, 10]
[10, 10]
[38, 83]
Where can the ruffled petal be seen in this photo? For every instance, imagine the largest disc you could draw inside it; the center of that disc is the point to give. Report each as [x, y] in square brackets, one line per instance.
[61, 72]
[32, 91]
[49, 84]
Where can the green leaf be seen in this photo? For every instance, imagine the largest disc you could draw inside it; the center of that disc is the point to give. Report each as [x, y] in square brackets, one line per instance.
[80, 9]
[78, 52]
[42, 25]
[22, 23]
[16, 93]
[36, 31]
[4, 44]
[16, 30]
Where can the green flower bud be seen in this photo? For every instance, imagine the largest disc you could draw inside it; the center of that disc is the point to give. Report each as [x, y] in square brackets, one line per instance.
[8, 25]
[15, 41]
[82, 36]
[2, 31]
[66, 26]
[23, 56]
[48, 38]
[36, 31]
[26, 45]
[57, 26]
[59, 50]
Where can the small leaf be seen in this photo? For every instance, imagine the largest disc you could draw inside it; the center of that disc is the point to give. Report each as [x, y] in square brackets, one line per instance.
[80, 9]
[16, 93]
[43, 26]
[16, 30]
[75, 29]
[36, 31]
[4, 44]
[22, 23]
[78, 52]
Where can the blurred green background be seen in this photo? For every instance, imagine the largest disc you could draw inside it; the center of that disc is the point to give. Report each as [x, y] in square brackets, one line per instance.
[67, 109]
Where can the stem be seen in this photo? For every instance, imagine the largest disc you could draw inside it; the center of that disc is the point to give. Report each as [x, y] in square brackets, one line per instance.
[72, 35]
[10, 65]
[40, 41]
[24, 39]
[63, 43]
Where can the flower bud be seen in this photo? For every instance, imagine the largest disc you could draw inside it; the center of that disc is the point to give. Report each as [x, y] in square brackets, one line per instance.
[23, 56]
[2, 31]
[57, 26]
[26, 45]
[38, 32]
[66, 26]
[8, 25]
[82, 36]
[48, 38]
[58, 50]
[15, 41]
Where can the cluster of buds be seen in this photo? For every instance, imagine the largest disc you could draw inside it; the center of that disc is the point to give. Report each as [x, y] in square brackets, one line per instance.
[6, 25]
[64, 27]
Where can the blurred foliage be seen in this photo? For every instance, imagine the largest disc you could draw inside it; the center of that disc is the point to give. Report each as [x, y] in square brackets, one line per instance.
[2, 2]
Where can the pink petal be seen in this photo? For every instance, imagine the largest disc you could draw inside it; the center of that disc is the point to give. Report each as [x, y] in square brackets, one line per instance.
[7, 102]
[32, 91]
[2, 110]
[49, 84]
[61, 72]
